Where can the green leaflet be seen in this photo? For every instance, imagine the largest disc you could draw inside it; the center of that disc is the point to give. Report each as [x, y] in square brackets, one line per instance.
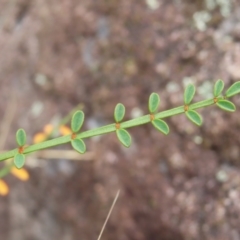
[233, 90]
[218, 87]
[194, 117]
[161, 126]
[153, 102]
[77, 121]
[119, 112]
[189, 94]
[226, 105]
[21, 137]
[124, 137]
[19, 160]
[78, 145]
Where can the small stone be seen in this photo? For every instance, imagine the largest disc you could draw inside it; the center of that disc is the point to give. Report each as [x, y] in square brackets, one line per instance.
[222, 176]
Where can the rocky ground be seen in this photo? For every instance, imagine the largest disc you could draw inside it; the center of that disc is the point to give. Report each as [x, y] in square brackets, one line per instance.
[57, 54]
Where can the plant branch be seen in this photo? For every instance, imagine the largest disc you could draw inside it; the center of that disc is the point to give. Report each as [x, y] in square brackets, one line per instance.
[106, 129]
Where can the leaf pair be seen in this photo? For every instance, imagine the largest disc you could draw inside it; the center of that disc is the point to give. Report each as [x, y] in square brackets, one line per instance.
[221, 103]
[192, 115]
[19, 158]
[232, 90]
[153, 104]
[123, 136]
[76, 124]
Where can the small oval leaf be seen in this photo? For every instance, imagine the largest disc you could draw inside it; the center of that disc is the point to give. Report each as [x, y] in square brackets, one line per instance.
[218, 87]
[21, 137]
[124, 137]
[77, 121]
[78, 145]
[189, 93]
[226, 105]
[161, 126]
[119, 112]
[19, 160]
[153, 102]
[233, 90]
[194, 117]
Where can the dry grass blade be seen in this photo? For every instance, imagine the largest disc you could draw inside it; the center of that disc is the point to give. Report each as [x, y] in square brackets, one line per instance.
[63, 154]
[109, 214]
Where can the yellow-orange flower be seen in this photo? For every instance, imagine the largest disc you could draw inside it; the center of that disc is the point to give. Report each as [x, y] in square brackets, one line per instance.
[4, 190]
[65, 130]
[39, 137]
[42, 136]
[21, 174]
[48, 129]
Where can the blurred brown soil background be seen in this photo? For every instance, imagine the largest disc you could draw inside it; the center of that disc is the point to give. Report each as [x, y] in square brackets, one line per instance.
[56, 54]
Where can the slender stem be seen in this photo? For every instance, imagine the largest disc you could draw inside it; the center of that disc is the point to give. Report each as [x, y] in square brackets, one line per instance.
[106, 129]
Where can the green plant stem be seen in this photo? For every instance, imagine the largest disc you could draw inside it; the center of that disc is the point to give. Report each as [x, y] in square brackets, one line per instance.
[106, 129]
